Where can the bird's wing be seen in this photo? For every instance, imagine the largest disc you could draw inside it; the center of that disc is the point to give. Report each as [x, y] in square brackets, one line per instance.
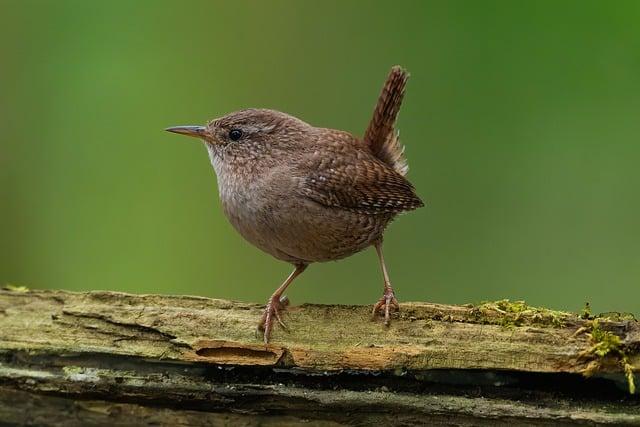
[380, 135]
[358, 182]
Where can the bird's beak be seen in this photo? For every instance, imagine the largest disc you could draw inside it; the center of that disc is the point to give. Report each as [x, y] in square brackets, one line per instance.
[195, 131]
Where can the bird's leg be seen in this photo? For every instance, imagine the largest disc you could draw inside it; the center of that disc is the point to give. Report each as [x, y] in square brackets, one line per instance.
[276, 303]
[388, 299]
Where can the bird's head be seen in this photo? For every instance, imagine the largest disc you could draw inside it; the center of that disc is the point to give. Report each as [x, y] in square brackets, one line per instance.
[251, 130]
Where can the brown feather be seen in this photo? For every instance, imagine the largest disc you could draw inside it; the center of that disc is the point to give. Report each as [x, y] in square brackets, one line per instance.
[344, 175]
[381, 136]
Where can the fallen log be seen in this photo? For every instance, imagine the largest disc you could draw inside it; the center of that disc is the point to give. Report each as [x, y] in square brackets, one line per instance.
[107, 357]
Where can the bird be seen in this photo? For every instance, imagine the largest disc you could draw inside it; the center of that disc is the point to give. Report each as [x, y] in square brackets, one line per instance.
[307, 194]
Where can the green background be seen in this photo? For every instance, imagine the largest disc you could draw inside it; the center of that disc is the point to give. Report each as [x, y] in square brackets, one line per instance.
[521, 125]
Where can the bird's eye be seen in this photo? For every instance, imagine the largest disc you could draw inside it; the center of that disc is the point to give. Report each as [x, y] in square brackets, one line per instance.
[235, 134]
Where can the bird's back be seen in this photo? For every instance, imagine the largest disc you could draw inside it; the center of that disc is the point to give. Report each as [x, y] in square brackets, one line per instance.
[342, 172]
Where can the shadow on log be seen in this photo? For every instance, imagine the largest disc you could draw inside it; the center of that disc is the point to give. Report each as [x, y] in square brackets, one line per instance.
[101, 358]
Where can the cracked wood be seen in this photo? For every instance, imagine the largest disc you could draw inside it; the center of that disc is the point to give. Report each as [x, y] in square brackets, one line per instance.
[325, 338]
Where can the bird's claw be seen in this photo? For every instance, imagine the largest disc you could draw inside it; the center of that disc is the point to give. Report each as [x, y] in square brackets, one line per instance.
[384, 305]
[274, 306]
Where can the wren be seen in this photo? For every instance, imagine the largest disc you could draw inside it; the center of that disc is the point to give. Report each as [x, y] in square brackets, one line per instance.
[305, 194]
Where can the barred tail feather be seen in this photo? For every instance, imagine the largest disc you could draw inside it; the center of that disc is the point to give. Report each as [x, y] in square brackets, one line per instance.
[380, 135]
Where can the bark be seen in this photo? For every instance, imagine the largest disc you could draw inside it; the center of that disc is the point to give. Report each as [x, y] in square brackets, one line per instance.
[100, 358]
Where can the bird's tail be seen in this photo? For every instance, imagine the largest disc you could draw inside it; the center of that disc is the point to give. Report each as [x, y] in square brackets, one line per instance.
[381, 136]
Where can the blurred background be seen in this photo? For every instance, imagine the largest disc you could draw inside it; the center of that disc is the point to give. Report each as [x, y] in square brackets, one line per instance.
[521, 126]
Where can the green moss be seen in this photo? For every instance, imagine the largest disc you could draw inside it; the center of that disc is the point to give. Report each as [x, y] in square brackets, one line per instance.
[604, 342]
[615, 316]
[15, 288]
[607, 344]
[586, 312]
[517, 313]
[511, 307]
[628, 372]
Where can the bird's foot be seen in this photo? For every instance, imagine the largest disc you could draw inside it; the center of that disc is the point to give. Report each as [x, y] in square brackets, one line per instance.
[275, 306]
[386, 304]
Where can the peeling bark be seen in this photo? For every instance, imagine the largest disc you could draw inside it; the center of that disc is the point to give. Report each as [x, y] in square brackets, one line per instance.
[121, 358]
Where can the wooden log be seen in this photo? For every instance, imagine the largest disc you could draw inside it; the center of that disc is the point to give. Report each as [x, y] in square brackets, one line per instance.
[106, 356]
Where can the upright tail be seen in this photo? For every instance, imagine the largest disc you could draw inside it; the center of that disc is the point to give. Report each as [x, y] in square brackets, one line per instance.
[380, 135]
